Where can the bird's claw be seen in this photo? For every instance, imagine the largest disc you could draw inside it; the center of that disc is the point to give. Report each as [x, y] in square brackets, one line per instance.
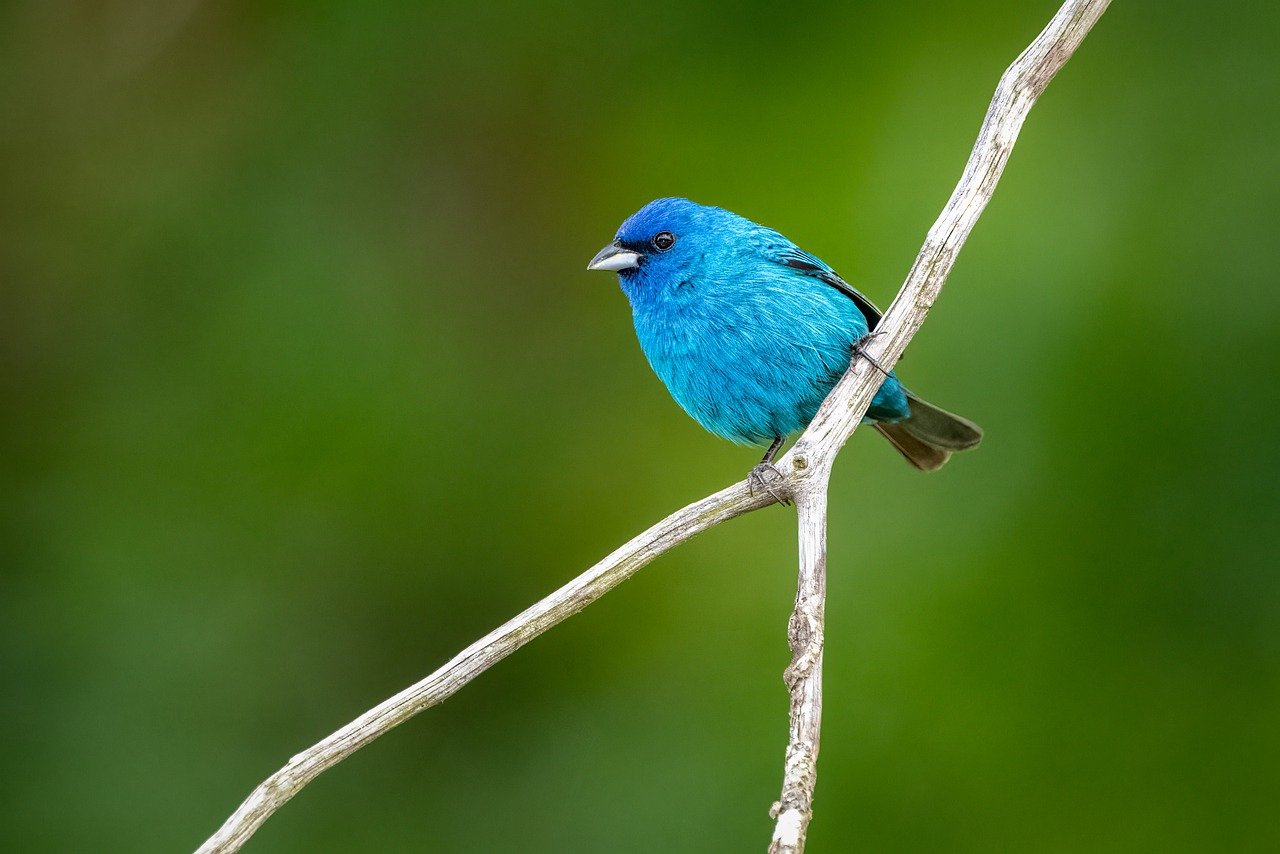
[860, 351]
[764, 476]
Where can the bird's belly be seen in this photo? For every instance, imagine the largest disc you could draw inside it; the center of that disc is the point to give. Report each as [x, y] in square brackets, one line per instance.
[746, 382]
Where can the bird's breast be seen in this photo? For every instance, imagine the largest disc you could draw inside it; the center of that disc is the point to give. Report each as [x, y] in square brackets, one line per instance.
[747, 363]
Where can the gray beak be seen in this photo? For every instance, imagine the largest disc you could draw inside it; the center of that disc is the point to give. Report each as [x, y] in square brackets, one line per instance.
[614, 257]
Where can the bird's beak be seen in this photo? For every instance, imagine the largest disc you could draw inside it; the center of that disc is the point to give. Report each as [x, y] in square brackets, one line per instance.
[614, 257]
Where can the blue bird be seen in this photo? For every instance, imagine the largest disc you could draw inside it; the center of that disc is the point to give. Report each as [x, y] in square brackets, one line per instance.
[749, 332]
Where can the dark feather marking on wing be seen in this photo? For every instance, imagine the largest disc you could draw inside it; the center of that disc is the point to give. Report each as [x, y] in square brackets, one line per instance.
[827, 276]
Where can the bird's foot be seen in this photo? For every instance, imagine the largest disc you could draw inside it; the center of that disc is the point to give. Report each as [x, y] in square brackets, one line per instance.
[766, 478]
[859, 351]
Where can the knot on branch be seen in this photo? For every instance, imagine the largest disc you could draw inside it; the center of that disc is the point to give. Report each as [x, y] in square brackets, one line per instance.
[804, 635]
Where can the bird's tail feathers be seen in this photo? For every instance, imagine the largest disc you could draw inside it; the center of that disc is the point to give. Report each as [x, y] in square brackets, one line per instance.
[929, 436]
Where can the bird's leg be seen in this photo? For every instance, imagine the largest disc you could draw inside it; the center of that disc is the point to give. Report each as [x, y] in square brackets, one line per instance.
[765, 471]
[860, 351]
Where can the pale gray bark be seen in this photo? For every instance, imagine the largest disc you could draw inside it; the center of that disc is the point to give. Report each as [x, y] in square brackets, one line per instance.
[805, 469]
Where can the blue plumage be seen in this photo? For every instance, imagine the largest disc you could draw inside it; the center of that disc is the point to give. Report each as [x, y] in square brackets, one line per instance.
[749, 333]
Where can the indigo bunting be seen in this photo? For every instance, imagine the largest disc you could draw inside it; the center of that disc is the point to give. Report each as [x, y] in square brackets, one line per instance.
[749, 332]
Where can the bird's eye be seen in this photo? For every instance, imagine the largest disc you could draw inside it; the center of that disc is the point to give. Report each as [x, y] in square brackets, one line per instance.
[664, 240]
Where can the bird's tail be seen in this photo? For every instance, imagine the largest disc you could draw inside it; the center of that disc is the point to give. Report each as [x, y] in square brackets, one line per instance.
[930, 434]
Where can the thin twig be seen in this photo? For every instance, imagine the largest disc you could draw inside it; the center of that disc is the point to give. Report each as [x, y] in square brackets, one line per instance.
[806, 469]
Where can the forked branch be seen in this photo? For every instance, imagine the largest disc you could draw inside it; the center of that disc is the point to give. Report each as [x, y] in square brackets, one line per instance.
[806, 469]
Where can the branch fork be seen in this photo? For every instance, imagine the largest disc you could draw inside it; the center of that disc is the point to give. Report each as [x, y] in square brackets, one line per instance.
[805, 473]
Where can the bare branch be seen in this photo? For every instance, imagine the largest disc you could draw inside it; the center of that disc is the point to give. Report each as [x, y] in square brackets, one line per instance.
[807, 465]
[1019, 87]
[804, 675]
[682, 525]
[806, 470]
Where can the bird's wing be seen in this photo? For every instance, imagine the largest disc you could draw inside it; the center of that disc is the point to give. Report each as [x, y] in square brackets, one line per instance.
[805, 263]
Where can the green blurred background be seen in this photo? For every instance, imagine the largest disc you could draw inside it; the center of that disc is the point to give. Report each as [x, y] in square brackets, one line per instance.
[305, 387]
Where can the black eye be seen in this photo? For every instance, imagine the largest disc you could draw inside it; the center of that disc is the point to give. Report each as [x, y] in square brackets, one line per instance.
[664, 240]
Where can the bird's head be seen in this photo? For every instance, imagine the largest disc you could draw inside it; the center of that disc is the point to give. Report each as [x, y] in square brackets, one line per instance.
[664, 239]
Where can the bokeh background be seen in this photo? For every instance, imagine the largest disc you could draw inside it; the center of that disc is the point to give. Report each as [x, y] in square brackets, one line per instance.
[304, 387]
